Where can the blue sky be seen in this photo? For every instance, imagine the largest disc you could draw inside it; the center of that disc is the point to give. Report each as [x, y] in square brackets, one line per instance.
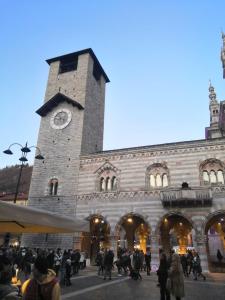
[159, 56]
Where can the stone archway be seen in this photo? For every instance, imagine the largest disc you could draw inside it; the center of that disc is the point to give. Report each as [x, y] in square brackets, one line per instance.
[214, 229]
[176, 232]
[133, 232]
[97, 238]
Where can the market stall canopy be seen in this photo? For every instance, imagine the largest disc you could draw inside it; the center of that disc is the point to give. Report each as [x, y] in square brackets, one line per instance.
[26, 219]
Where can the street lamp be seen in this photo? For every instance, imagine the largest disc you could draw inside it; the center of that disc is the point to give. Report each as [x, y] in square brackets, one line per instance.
[24, 149]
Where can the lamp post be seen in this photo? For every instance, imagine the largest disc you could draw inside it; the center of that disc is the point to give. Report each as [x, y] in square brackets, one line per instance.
[24, 149]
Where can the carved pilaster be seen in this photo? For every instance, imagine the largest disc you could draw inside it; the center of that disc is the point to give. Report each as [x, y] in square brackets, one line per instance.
[154, 242]
[201, 248]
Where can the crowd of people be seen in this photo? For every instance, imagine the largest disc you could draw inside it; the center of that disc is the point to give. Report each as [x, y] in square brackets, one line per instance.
[172, 270]
[127, 262]
[39, 273]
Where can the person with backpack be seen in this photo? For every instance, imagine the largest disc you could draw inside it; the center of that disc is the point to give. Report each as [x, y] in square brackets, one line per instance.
[44, 284]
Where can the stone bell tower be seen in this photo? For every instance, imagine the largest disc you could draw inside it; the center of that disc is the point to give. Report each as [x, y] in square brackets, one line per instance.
[72, 121]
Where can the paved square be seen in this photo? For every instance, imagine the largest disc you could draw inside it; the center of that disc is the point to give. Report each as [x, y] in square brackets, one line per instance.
[87, 285]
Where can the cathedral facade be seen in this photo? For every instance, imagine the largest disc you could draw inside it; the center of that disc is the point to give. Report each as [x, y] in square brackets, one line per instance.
[161, 196]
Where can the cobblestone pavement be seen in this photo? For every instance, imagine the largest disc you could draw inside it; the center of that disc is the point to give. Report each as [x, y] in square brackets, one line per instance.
[87, 286]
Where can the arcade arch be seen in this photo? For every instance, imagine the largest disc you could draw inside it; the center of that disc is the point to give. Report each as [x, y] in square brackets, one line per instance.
[176, 232]
[215, 232]
[98, 237]
[133, 232]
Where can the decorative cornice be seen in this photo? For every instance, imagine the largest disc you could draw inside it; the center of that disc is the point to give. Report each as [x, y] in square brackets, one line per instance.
[156, 194]
[118, 195]
[153, 151]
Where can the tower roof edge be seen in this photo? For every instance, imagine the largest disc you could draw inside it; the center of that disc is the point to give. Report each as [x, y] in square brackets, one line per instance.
[77, 53]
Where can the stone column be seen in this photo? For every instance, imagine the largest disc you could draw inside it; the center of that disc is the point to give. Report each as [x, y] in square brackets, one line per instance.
[201, 248]
[113, 244]
[154, 242]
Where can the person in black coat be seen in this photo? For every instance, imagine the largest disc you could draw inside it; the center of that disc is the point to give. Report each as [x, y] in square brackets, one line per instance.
[108, 263]
[148, 261]
[219, 256]
[68, 272]
[162, 277]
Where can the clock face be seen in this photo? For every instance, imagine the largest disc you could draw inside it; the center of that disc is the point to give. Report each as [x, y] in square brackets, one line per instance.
[61, 118]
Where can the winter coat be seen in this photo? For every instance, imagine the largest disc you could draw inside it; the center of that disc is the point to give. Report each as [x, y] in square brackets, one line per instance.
[108, 258]
[137, 260]
[163, 271]
[148, 258]
[176, 276]
[49, 288]
[8, 291]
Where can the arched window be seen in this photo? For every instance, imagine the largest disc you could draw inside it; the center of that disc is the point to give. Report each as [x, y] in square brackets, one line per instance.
[212, 176]
[152, 180]
[205, 177]
[108, 184]
[157, 176]
[212, 171]
[102, 184]
[53, 187]
[114, 183]
[158, 180]
[107, 180]
[220, 177]
[164, 180]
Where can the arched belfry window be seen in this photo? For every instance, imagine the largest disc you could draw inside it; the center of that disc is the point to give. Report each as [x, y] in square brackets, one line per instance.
[157, 176]
[107, 179]
[53, 187]
[212, 172]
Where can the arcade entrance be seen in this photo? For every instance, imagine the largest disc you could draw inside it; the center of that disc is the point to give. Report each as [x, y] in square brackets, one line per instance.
[176, 234]
[134, 233]
[215, 231]
[97, 238]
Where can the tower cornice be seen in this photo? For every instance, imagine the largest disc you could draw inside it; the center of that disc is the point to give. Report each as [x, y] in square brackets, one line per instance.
[54, 101]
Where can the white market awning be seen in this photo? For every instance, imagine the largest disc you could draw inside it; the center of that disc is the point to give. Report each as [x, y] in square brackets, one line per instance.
[26, 219]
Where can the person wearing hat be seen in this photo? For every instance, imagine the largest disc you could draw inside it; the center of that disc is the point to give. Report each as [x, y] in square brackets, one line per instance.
[44, 284]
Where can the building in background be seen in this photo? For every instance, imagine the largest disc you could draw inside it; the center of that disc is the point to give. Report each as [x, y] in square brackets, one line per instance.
[161, 196]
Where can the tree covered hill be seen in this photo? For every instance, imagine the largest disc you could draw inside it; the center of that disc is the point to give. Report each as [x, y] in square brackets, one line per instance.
[9, 178]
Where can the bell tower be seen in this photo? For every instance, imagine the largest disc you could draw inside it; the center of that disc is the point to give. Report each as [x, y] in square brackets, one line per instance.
[72, 122]
[213, 131]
